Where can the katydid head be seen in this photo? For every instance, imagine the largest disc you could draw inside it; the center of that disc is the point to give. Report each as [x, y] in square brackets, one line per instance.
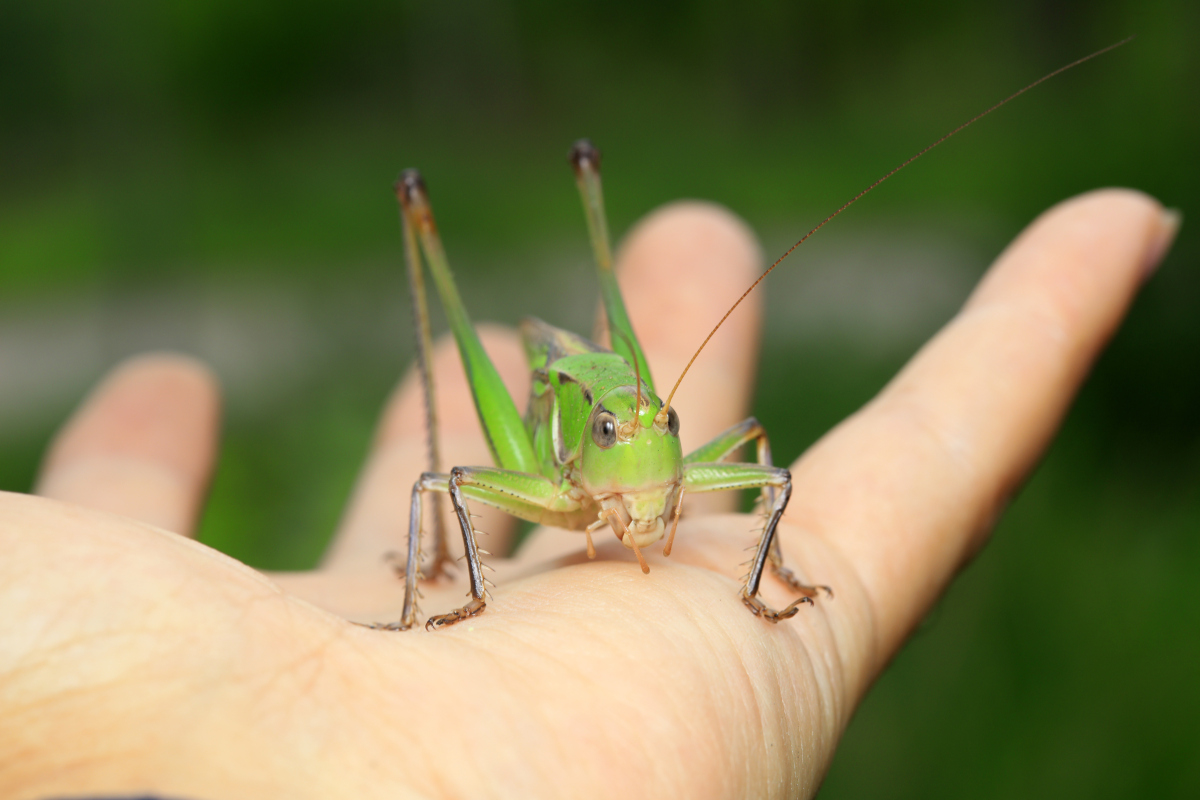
[632, 465]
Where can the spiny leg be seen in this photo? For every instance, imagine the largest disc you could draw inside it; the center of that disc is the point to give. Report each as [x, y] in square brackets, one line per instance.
[727, 443]
[521, 494]
[424, 339]
[434, 482]
[474, 567]
[750, 590]
[428, 482]
[730, 441]
[712, 477]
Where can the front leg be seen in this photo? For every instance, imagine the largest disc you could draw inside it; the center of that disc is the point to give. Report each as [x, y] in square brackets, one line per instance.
[713, 477]
[471, 548]
[730, 441]
[521, 494]
[727, 443]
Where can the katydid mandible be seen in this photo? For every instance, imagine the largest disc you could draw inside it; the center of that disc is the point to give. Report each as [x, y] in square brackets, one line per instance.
[597, 446]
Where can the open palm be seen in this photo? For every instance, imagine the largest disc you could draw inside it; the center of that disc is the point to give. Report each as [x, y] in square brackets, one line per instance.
[134, 659]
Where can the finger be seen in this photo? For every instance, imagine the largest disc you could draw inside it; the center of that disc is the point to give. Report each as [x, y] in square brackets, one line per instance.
[142, 445]
[908, 489]
[376, 520]
[680, 269]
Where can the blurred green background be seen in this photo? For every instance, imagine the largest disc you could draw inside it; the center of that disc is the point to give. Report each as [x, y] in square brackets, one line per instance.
[215, 177]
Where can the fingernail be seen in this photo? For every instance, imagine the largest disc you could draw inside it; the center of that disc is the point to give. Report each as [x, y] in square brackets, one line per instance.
[1168, 225]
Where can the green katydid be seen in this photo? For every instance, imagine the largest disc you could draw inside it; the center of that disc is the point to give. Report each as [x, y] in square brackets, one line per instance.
[597, 447]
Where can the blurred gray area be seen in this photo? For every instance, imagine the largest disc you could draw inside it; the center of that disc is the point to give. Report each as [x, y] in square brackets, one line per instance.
[882, 293]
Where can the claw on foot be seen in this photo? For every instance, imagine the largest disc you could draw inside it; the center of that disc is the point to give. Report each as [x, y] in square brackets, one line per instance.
[471, 609]
[789, 577]
[760, 609]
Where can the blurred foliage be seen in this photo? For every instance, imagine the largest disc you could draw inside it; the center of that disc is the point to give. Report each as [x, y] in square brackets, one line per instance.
[146, 144]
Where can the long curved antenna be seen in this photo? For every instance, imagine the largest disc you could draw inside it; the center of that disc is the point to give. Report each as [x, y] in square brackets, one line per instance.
[856, 197]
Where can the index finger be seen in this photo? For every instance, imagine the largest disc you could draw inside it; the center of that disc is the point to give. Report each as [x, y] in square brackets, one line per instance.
[908, 489]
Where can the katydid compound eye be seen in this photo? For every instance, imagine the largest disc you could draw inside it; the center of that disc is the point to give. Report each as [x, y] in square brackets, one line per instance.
[604, 430]
[672, 422]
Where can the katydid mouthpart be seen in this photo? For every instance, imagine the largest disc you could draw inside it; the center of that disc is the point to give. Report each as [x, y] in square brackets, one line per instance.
[597, 446]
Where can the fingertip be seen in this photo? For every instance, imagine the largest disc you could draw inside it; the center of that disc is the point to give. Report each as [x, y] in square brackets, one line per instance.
[162, 407]
[1104, 242]
[712, 223]
[682, 267]
[142, 444]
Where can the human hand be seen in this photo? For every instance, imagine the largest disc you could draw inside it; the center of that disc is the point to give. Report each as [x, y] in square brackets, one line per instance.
[133, 659]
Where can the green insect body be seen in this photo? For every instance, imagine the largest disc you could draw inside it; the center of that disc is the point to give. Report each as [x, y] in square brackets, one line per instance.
[596, 448]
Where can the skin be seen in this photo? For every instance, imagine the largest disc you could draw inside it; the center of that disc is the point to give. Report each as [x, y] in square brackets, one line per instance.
[133, 659]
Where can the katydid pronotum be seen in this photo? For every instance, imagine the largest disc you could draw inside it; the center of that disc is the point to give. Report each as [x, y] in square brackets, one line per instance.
[597, 446]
